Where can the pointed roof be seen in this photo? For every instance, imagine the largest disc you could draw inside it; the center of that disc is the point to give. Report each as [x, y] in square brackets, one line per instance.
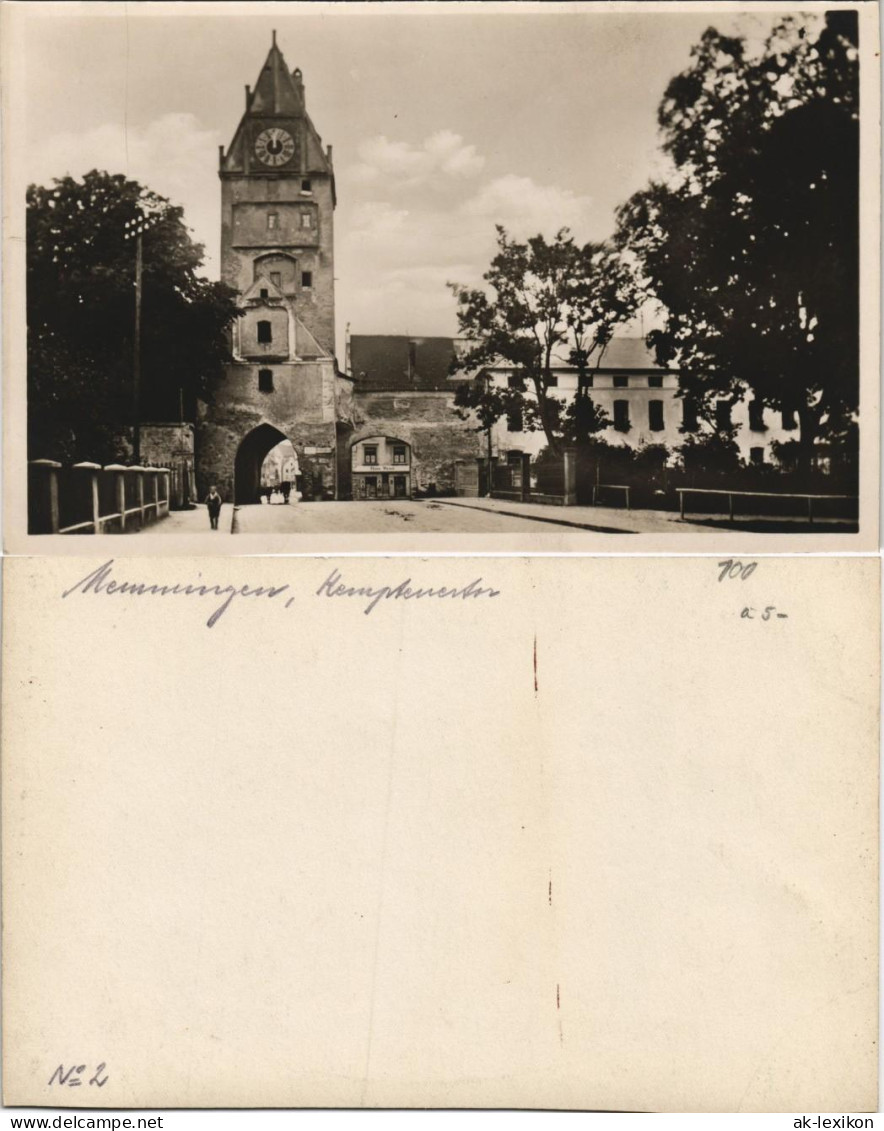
[277, 91]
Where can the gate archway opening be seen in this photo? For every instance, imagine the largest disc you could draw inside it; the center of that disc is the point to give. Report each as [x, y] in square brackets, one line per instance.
[280, 471]
[250, 455]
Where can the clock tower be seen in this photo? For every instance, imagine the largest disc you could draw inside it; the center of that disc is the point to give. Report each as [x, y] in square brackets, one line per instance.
[277, 251]
[278, 201]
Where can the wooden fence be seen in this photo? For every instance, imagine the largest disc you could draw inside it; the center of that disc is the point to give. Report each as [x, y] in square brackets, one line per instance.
[87, 498]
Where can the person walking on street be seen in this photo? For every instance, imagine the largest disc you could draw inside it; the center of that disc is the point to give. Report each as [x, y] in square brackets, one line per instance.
[213, 503]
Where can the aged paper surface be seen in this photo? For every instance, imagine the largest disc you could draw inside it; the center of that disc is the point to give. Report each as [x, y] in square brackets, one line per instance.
[604, 840]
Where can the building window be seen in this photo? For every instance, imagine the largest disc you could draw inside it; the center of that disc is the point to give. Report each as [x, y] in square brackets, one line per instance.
[306, 280]
[306, 186]
[655, 415]
[756, 455]
[370, 453]
[306, 220]
[722, 414]
[689, 421]
[552, 381]
[399, 454]
[621, 382]
[265, 293]
[514, 420]
[789, 421]
[756, 415]
[621, 415]
[655, 381]
[272, 221]
[265, 333]
[276, 279]
[265, 380]
[516, 381]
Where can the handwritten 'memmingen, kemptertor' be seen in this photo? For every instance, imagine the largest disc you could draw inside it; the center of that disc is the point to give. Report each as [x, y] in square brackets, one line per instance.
[100, 580]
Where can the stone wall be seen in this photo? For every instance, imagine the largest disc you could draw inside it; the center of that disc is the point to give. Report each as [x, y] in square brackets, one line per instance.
[426, 421]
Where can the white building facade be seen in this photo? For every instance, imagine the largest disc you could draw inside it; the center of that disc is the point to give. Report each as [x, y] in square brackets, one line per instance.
[642, 404]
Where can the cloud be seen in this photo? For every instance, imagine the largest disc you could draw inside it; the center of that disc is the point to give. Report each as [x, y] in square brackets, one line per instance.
[394, 262]
[174, 155]
[526, 208]
[442, 154]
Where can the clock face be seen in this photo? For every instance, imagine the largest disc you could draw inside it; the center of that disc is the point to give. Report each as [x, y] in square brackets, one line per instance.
[274, 146]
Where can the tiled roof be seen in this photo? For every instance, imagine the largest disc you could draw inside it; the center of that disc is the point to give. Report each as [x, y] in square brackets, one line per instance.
[398, 362]
[628, 353]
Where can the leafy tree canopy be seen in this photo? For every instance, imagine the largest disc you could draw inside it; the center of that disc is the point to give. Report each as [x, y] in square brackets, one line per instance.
[81, 310]
[547, 303]
[751, 245]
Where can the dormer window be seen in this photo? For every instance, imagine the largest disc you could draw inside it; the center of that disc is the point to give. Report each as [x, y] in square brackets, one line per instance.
[265, 333]
[265, 293]
[306, 187]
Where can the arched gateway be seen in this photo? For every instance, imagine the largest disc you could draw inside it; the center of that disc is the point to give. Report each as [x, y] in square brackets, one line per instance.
[250, 456]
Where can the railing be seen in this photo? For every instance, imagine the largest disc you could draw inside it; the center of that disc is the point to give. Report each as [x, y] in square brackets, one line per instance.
[596, 487]
[731, 495]
[87, 498]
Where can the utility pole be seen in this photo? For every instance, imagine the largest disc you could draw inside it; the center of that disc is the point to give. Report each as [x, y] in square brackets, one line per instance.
[147, 215]
[136, 357]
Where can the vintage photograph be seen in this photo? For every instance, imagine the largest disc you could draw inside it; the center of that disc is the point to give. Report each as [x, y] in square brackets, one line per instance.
[493, 269]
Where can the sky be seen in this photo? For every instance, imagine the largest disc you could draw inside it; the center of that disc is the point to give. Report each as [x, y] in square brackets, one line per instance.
[444, 122]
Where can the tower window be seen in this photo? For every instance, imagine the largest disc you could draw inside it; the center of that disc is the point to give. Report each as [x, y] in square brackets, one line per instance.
[272, 221]
[307, 279]
[306, 186]
[655, 415]
[265, 333]
[276, 278]
[621, 416]
[306, 220]
[265, 380]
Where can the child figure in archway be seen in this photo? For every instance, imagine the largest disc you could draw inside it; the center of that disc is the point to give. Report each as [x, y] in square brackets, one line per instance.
[213, 504]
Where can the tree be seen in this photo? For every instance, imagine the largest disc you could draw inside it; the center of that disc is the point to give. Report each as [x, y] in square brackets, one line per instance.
[751, 246]
[549, 303]
[81, 310]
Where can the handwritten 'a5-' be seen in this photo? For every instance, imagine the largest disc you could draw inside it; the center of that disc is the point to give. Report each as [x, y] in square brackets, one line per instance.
[769, 612]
